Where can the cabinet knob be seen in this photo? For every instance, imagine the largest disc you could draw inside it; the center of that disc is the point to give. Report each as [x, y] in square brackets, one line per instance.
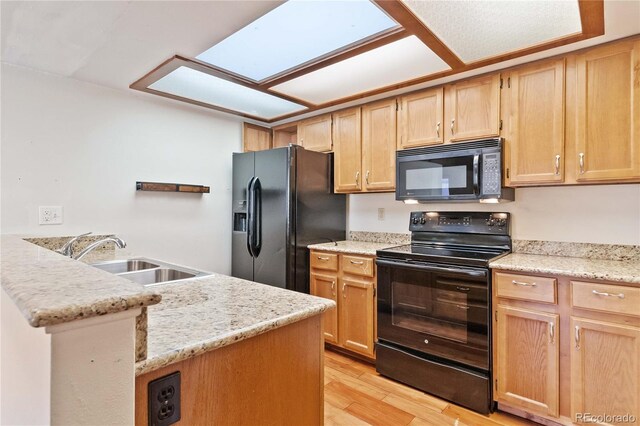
[557, 164]
[366, 178]
[438, 129]
[581, 156]
[453, 120]
[357, 177]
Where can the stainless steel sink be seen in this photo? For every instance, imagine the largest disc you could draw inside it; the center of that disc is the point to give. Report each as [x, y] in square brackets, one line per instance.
[149, 271]
[128, 265]
[160, 275]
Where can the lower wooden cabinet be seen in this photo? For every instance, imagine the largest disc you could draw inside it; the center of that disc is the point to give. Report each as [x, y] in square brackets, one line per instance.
[572, 359]
[605, 375]
[528, 359]
[352, 285]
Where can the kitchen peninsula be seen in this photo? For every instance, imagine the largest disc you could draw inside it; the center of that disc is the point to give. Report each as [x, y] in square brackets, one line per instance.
[245, 351]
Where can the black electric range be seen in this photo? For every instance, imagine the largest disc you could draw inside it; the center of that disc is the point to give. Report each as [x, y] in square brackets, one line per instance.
[434, 305]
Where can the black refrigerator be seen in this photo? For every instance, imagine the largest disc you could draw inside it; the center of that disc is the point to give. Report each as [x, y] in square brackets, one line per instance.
[283, 200]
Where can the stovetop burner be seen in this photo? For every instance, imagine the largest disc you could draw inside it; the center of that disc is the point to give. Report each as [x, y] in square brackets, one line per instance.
[442, 254]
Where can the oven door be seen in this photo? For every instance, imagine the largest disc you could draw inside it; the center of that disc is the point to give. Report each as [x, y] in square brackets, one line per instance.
[444, 176]
[435, 309]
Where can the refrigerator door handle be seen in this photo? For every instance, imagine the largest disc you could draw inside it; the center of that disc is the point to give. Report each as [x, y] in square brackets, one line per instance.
[250, 215]
[257, 198]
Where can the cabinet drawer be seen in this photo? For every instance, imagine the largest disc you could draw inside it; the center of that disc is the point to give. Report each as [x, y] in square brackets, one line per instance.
[525, 287]
[321, 260]
[357, 265]
[606, 297]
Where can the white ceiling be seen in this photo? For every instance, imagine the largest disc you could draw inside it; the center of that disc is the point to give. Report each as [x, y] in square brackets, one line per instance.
[114, 43]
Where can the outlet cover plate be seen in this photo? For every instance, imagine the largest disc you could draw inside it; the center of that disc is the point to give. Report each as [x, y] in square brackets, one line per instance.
[164, 400]
[50, 215]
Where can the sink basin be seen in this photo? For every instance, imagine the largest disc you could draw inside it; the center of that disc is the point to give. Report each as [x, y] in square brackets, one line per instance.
[121, 266]
[160, 275]
[149, 271]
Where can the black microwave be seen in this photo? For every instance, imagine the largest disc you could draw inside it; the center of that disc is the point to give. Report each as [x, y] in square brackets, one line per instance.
[462, 171]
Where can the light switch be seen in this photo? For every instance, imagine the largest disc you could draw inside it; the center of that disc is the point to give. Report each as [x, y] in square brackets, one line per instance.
[50, 215]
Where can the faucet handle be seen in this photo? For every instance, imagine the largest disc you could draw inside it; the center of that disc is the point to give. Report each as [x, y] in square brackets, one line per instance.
[66, 249]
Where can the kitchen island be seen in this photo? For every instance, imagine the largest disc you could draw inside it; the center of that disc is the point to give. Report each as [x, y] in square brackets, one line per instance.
[248, 353]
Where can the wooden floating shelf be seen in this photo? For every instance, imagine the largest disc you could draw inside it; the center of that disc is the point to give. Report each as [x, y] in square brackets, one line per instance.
[171, 187]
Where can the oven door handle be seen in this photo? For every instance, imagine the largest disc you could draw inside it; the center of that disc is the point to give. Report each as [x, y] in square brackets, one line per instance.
[476, 172]
[428, 268]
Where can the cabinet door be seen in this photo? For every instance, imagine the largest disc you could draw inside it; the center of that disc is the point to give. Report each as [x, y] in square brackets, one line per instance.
[472, 109]
[315, 133]
[534, 120]
[527, 360]
[379, 145]
[356, 315]
[255, 138]
[605, 375]
[347, 148]
[608, 113]
[420, 119]
[325, 285]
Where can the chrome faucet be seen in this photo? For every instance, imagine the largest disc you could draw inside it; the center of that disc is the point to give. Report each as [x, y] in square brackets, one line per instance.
[118, 242]
[67, 248]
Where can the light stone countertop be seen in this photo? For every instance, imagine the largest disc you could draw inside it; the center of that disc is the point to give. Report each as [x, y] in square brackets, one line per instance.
[199, 315]
[50, 289]
[578, 267]
[352, 247]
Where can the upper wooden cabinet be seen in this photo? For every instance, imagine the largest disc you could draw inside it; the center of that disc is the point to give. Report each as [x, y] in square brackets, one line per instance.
[533, 116]
[315, 133]
[255, 138]
[379, 145]
[347, 148]
[285, 134]
[607, 113]
[472, 109]
[420, 119]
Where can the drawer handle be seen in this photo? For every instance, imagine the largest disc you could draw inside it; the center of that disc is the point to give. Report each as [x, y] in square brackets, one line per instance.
[602, 293]
[462, 288]
[322, 258]
[466, 308]
[523, 284]
[357, 262]
[344, 290]
[552, 332]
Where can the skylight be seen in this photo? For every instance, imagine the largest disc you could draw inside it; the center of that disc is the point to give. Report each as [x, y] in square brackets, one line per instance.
[196, 85]
[506, 25]
[294, 33]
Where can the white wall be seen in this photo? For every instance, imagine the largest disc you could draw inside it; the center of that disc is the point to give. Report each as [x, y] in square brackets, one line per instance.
[608, 214]
[83, 147]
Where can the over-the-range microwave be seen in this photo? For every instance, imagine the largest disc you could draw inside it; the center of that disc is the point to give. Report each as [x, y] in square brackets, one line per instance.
[463, 171]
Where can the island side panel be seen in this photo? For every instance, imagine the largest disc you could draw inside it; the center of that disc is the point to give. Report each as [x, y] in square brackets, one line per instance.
[271, 379]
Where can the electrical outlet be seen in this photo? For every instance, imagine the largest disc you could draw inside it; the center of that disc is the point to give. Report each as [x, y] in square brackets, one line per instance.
[381, 213]
[164, 400]
[50, 215]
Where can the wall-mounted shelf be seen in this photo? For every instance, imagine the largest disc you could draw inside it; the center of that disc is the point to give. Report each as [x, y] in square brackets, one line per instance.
[171, 187]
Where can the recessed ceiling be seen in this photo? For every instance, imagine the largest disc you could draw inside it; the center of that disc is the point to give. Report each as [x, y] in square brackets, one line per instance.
[191, 84]
[395, 62]
[475, 29]
[295, 33]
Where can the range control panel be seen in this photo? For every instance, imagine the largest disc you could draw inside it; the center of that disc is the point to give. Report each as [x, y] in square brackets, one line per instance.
[460, 222]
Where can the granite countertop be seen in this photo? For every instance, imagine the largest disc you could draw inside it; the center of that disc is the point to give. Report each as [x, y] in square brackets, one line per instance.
[50, 289]
[352, 247]
[203, 314]
[590, 269]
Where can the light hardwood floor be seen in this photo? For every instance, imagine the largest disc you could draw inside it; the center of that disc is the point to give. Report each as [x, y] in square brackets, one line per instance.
[356, 395]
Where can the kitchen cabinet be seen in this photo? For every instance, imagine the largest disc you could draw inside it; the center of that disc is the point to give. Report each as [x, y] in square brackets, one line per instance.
[528, 359]
[472, 109]
[285, 135]
[533, 115]
[564, 347]
[606, 113]
[347, 147]
[325, 285]
[255, 138]
[420, 118]
[351, 283]
[379, 145]
[605, 370]
[315, 133]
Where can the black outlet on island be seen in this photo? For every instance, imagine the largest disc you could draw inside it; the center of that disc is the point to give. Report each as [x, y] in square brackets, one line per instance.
[164, 400]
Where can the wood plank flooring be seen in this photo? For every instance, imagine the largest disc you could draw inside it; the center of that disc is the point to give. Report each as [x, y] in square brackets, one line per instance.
[356, 395]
